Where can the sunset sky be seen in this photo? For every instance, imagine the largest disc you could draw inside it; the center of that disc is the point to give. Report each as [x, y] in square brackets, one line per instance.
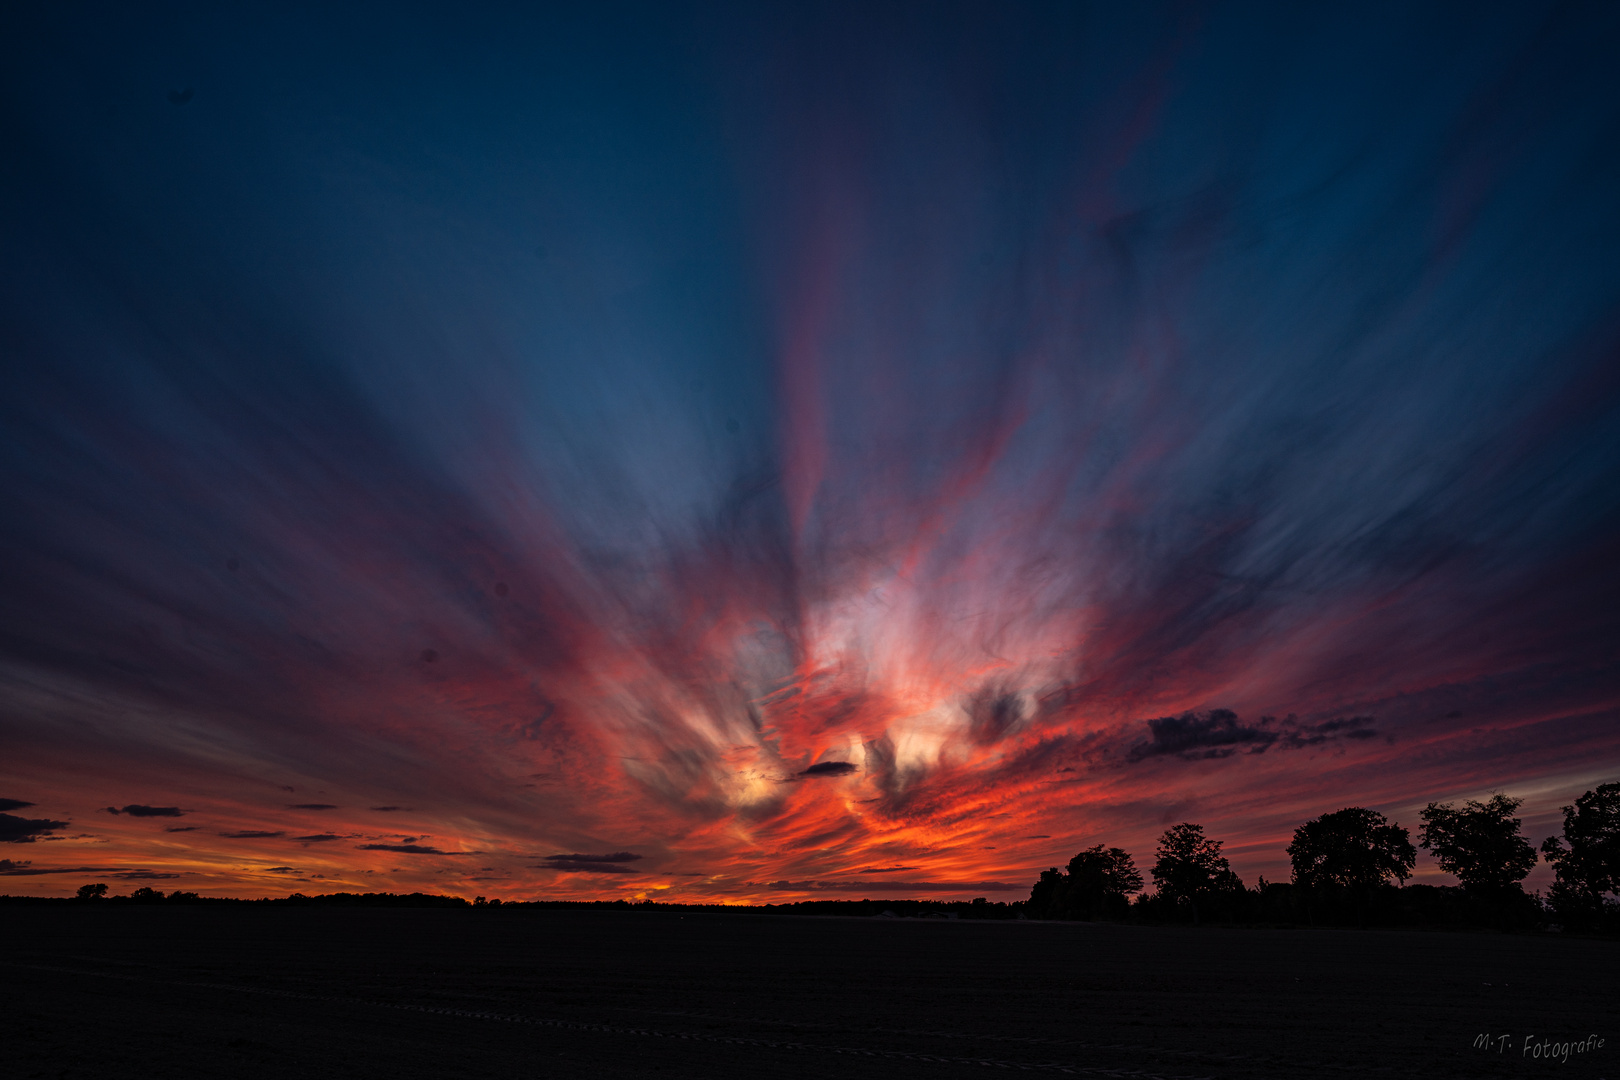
[759, 452]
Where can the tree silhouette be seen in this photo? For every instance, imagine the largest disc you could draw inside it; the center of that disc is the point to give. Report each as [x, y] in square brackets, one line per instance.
[97, 891]
[1104, 871]
[1189, 867]
[1046, 899]
[1590, 865]
[1096, 885]
[1479, 843]
[1353, 848]
[1100, 880]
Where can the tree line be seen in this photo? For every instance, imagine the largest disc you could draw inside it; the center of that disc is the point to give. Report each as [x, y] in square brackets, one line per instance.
[1350, 867]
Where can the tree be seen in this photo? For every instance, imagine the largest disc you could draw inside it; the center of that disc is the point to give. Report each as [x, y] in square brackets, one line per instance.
[1190, 867]
[1479, 843]
[1590, 865]
[1353, 848]
[1099, 881]
[1096, 885]
[1105, 871]
[1047, 896]
[98, 891]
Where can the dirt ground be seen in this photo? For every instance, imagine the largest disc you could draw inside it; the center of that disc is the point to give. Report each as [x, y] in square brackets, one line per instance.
[173, 992]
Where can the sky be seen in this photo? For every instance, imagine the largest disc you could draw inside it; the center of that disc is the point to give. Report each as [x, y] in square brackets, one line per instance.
[763, 452]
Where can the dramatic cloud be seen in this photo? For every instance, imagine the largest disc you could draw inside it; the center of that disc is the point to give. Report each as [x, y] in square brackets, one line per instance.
[408, 849]
[1219, 734]
[252, 834]
[318, 838]
[14, 868]
[138, 810]
[14, 804]
[16, 830]
[9, 868]
[830, 768]
[592, 864]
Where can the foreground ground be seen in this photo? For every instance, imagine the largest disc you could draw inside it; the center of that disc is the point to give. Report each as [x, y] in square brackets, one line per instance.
[309, 992]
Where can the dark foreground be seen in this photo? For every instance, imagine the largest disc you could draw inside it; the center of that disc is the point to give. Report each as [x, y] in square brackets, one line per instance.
[197, 992]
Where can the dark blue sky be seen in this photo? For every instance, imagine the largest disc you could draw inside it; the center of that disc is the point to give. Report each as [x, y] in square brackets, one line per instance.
[565, 429]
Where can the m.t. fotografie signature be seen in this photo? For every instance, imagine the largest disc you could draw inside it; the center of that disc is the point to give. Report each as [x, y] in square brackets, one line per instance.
[1533, 1048]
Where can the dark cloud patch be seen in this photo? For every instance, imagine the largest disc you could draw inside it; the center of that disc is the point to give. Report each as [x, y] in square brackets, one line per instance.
[251, 834]
[142, 810]
[18, 830]
[993, 712]
[886, 869]
[318, 838]
[1220, 733]
[829, 768]
[408, 849]
[14, 804]
[1214, 734]
[1346, 727]
[10, 868]
[611, 863]
[895, 886]
[181, 828]
[387, 809]
[611, 857]
[279, 870]
[311, 806]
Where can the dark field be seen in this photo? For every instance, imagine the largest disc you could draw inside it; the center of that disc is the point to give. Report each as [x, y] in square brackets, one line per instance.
[319, 992]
